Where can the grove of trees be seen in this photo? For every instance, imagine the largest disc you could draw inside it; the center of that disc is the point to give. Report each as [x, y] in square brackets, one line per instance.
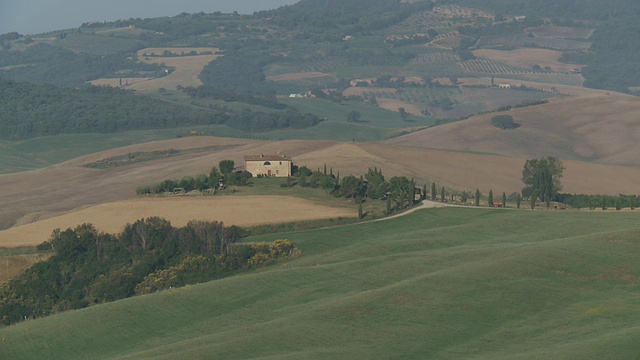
[542, 178]
[89, 267]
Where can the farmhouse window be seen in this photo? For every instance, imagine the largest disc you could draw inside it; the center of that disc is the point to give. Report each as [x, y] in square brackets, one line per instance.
[267, 163]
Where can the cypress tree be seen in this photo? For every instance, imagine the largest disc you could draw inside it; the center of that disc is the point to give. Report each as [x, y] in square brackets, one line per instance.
[618, 203]
[464, 197]
[477, 198]
[490, 200]
[534, 197]
[442, 194]
[325, 169]
[518, 201]
[424, 191]
[412, 193]
[388, 205]
[504, 200]
[433, 191]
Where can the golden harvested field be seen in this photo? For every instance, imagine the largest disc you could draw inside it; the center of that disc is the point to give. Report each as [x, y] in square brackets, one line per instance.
[527, 58]
[232, 210]
[298, 76]
[599, 128]
[10, 266]
[61, 188]
[394, 105]
[187, 69]
[468, 171]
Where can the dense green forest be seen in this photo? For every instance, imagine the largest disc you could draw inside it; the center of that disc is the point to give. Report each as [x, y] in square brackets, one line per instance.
[29, 110]
[44, 63]
[150, 255]
[343, 17]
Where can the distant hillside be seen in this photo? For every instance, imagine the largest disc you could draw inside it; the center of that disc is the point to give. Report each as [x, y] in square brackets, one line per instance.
[612, 62]
[344, 17]
[29, 110]
[599, 128]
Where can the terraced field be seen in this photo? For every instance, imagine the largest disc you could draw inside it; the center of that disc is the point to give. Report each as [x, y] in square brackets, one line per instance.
[483, 66]
[450, 40]
[523, 40]
[435, 57]
[446, 16]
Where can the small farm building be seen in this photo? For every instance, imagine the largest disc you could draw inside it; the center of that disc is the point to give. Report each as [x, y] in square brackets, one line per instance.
[268, 165]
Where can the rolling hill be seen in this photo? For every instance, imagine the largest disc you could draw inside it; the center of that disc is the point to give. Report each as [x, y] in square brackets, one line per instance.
[440, 283]
[596, 128]
[58, 190]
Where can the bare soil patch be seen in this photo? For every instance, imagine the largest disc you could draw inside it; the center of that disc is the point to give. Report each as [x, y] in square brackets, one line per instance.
[232, 210]
[394, 105]
[527, 58]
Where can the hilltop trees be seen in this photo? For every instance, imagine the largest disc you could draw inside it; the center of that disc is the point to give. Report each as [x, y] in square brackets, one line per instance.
[504, 122]
[542, 176]
[353, 116]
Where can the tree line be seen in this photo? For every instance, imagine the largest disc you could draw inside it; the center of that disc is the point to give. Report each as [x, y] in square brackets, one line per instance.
[44, 63]
[31, 110]
[90, 267]
[221, 176]
[399, 192]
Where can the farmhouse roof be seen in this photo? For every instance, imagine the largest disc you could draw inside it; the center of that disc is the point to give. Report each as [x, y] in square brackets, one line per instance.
[266, 158]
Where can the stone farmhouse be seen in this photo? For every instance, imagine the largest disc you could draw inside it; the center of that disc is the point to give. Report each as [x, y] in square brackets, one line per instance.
[268, 165]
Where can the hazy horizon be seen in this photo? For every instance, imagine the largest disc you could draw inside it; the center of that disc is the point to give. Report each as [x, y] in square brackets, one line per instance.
[38, 16]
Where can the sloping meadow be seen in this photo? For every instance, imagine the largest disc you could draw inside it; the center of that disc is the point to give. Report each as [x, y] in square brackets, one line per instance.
[440, 283]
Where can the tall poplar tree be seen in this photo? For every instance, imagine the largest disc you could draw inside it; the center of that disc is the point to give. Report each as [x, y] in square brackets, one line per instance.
[433, 192]
[542, 176]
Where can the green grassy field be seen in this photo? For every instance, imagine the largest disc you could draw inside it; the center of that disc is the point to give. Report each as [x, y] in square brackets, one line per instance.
[372, 116]
[376, 124]
[23, 155]
[437, 284]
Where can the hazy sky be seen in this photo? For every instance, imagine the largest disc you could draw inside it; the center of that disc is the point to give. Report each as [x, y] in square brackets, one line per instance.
[36, 16]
